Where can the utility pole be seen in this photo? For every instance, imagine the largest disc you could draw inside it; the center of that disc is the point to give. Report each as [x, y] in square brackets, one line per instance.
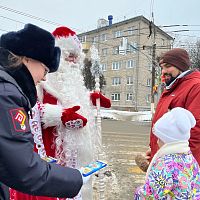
[153, 65]
[153, 77]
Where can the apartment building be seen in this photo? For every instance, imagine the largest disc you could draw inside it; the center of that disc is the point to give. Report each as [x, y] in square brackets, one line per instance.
[125, 50]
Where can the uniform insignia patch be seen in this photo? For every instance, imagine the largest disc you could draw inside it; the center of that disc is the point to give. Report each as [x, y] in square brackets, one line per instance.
[19, 119]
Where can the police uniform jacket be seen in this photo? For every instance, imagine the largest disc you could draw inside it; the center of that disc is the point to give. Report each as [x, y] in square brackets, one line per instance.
[20, 167]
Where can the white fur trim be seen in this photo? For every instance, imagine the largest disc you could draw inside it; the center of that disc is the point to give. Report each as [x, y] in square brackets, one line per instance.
[50, 90]
[52, 115]
[70, 44]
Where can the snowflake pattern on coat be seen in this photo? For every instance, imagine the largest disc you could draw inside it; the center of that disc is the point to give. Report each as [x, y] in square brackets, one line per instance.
[173, 176]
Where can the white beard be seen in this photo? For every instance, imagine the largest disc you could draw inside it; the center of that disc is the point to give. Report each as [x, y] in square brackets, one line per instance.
[78, 147]
[74, 148]
[68, 87]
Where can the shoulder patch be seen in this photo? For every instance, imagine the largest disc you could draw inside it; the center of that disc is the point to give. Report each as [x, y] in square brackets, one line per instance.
[19, 119]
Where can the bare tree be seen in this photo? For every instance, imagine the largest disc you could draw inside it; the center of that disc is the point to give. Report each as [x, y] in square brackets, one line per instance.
[194, 51]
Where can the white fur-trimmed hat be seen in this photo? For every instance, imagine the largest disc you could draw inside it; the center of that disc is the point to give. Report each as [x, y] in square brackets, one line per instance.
[174, 125]
[67, 39]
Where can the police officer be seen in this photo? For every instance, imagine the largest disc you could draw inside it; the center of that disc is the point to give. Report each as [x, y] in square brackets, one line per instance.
[25, 58]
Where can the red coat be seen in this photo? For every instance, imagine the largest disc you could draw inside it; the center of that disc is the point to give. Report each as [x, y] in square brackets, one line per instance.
[48, 133]
[185, 93]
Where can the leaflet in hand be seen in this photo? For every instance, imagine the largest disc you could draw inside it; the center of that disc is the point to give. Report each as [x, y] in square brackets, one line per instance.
[93, 167]
[50, 159]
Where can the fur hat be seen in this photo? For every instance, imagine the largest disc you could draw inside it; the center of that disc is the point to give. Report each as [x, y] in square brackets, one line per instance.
[33, 42]
[177, 57]
[174, 125]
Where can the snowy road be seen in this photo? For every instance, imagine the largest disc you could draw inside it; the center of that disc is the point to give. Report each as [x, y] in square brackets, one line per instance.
[122, 140]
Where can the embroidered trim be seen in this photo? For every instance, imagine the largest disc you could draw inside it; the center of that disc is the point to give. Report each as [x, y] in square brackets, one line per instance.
[35, 124]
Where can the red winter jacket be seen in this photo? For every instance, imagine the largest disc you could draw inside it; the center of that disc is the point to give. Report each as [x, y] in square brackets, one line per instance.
[185, 93]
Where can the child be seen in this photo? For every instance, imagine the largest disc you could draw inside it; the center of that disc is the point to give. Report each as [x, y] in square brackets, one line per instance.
[173, 172]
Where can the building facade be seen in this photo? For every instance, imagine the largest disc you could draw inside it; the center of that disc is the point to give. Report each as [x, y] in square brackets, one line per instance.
[125, 49]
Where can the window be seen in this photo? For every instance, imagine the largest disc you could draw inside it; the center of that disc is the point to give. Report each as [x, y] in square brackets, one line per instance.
[115, 50]
[148, 82]
[103, 66]
[162, 41]
[129, 80]
[149, 51]
[149, 66]
[123, 46]
[104, 51]
[117, 34]
[82, 39]
[115, 97]
[116, 81]
[116, 65]
[132, 47]
[95, 39]
[130, 64]
[148, 98]
[131, 30]
[129, 97]
[103, 37]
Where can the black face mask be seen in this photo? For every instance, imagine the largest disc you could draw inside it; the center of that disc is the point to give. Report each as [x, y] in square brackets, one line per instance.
[168, 82]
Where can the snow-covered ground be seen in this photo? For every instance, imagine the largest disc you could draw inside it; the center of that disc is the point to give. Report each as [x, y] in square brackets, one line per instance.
[126, 115]
[112, 179]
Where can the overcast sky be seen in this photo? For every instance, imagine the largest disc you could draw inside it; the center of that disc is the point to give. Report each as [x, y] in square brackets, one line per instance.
[82, 15]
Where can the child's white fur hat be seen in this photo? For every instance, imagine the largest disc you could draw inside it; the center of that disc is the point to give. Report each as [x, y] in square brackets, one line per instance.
[174, 125]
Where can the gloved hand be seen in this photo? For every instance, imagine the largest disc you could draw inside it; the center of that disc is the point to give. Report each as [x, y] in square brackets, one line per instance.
[85, 178]
[104, 101]
[142, 162]
[71, 119]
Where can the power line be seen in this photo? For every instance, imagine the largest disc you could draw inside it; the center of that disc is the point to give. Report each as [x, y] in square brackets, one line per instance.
[12, 19]
[174, 25]
[183, 30]
[29, 15]
[3, 30]
[58, 24]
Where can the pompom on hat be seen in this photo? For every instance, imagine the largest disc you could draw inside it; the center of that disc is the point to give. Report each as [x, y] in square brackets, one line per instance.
[174, 125]
[33, 42]
[177, 57]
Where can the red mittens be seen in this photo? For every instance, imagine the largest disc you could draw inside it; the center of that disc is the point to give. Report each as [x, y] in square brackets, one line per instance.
[71, 119]
[104, 102]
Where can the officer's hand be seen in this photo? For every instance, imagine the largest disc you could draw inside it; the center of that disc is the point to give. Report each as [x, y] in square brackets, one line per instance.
[85, 178]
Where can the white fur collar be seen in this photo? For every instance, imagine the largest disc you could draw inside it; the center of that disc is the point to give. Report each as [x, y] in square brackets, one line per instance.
[45, 86]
